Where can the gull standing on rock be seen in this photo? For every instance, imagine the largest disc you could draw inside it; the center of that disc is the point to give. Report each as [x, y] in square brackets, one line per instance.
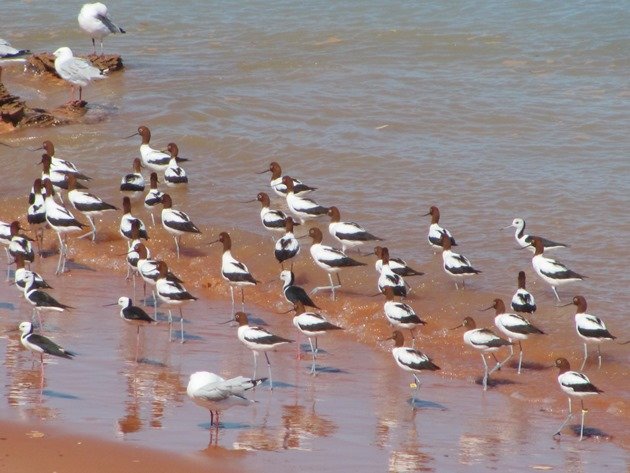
[75, 70]
[93, 19]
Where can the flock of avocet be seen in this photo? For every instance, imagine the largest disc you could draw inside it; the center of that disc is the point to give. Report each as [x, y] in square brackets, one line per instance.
[48, 209]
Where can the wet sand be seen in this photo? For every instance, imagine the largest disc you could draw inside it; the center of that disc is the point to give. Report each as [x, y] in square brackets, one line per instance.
[358, 406]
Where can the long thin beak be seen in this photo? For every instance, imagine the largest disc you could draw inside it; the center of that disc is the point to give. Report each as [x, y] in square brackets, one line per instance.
[9, 146]
[455, 328]
[376, 295]
[566, 305]
[302, 237]
[36, 149]
[505, 228]
[213, 242]
[131, 136]
[385, 339]
[109, 305]
[287, 311]
[426, 214]
[483, 310]
[523, 247]
[264, 172]
[227, 322]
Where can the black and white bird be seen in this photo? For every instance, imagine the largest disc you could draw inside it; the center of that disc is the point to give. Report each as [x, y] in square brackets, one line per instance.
[148, 270]
[176, 222]
[233, 271]
[401, 315]
[133, 184]
[436, 231]
[525, 241]
[39, 344]
[303, 208]
[21, 273]
[349, 234]
[40, 300]
[272, 219]
[172, 293]
[127, 218]
[88, 204]
[523, 300]
[287, 246]
[574, 384]
[62, 222]
[20, 244]
[212, 392]
[292, 292]
[174, 174]
[56, 177]
[312, 325]
[484, 340]
[410, 359]
[388, 278]
[279, 187]
[36, 213]
[550, 270]
[94, 20]
[134, 315]
[152, 158]
[456, 265]
[154, 196]
[590, 328]
[329, 259]
[257, 339]
[61, 165]
[513, 326]
[397, 265]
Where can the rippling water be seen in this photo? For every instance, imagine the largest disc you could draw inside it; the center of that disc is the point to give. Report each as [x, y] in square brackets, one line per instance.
[489, 111]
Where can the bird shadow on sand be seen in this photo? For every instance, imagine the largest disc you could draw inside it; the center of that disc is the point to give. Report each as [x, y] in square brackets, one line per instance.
[277, 385]
[424, 404]
[70, 264]
[59, 395]
[590, 432]
[493, 382]
[527, 365]
[225, 426]
[327, 369]
[149, 362]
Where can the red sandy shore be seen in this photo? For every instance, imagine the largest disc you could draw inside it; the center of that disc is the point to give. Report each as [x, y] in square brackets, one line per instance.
[29, 447]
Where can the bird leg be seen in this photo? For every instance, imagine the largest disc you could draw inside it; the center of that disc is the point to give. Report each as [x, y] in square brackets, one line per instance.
[413, 338]
[181, 325]
[93, 232]
[268, 366]
[243, 299]
[137, 341]
[509, 356]
[599, 356]
[585, 356]
[553, 288]
[520, 356]
[232, 295]
[176, 238]
[497, 366]
[314, 355]
[332, 287]
[584, 411]
[170, 325]
[565, 420]
[485, 373]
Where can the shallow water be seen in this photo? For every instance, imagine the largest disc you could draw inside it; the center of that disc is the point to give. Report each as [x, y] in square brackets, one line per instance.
[490, 112]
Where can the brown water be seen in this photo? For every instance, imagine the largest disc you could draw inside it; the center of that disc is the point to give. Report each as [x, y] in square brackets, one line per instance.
[387, 116]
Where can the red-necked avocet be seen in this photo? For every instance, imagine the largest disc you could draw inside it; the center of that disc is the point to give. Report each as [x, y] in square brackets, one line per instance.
[36, 213]
[176, 222]
[486, 341]
[397, 265]
[550, 270]
[312, 325]
[523, 300]
[401, 315]
[590, 328]
[294, 293]
[95, 21]
[280, 187]
[287, 246]
[410, 359]
[258, 339]
[525, 241]
[154, 196]
[153, 159]
[39, 344]
[349, 234]
[88, 204]
[133, 184]
[436, 231]
[134, 315]
[174, 175]
[172, 293]
[20, 244]
[388, 278]
[303, 208]
[57, 178]
[575, 384]
[61, 165]
[456, 265]
[513, 326]
[217, 394]
[232, 270]
[329, 259]
[127, 218]
[62, 222]
[272, 219]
